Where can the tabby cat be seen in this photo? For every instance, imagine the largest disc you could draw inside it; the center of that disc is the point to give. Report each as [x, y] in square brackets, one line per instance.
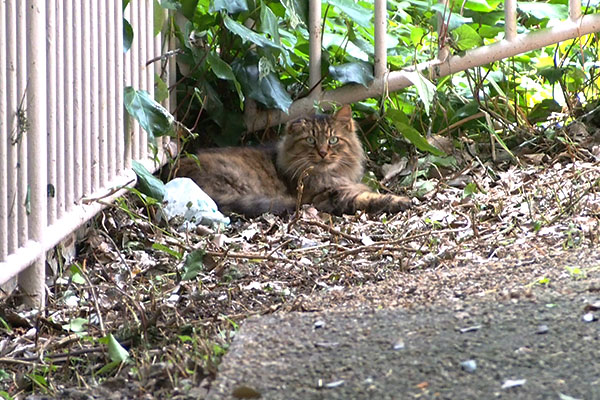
[320, 157]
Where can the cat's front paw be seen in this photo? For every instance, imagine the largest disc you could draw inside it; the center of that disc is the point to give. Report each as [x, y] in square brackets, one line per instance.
[397, 204]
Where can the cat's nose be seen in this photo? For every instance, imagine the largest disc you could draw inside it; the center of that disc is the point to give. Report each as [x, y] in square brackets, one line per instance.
[322, 152]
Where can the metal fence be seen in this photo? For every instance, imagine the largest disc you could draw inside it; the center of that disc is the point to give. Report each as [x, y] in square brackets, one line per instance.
[63, 134]
[64, 140]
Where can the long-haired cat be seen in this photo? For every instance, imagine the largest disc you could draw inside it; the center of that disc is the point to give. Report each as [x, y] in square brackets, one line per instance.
[319, 157]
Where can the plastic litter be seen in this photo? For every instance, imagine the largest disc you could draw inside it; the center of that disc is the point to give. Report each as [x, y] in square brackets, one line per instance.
[185, 199]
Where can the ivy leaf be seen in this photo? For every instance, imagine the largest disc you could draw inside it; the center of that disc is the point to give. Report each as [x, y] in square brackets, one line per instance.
[159, 17]
[193, 264]
[116, 352]
[412, 134]
[248, 34]
[482, 5]
[268, 23]
[161, 90]
[425, 88]
[127, 35]
[231, 6]
[147, 183]
[223, 71]
[456, 20]
[466, 37]
[356, 12]
[152, 117]
[544, 10]
[355, 72]
[268, 90]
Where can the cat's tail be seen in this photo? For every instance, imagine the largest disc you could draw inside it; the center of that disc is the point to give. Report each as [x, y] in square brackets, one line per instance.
[253, 206]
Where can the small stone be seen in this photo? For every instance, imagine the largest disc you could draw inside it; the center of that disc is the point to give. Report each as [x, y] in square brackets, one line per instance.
[319, 324]
[542, 329]
[589, 317]
[334, 384]
[509, 383]
[469, 365]
[399, 345]
[470, 329]
[245, 392]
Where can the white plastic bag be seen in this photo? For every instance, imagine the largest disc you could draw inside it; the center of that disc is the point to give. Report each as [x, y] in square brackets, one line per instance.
[184, 198]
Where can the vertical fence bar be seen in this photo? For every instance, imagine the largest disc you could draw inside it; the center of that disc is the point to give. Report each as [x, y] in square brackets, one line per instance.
[51, 107]
[111, 95]
[77, 61]
[3, 136]
[314, 50]
[574, 9]
[95, 108]
[510, 20]
[141, 69]
[380, 60]
[12, 103]
[86, 85]
[32, 279]
[134, 82]
[22, 131]
[120, 68]
[59, 82]
[102, 94]
[69, 132]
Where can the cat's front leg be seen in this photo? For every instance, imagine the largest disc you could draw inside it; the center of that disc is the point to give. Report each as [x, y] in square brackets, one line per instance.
[348, 198]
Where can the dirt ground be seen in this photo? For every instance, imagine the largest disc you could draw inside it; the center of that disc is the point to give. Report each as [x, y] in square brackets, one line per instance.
[317, 306]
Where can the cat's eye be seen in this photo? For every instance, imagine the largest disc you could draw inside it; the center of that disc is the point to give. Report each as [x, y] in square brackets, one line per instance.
[311, 140]
[333, 140]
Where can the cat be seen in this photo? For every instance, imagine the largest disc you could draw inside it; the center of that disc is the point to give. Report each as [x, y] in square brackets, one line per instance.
[320, 158]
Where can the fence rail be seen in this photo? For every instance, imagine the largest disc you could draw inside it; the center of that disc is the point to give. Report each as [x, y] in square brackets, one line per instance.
[63, 135]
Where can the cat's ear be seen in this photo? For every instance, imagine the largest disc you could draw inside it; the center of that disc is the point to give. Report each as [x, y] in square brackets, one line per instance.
[295, 126]
[344, 114]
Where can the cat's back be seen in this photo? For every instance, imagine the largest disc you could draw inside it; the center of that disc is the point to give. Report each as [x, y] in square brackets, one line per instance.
[230, 171]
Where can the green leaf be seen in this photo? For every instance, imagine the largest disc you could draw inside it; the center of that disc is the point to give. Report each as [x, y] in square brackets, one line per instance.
[356, 12]
[411, 133]
[38, 380]
[544, 10]
[456, 20]
[469, 190]
[297, 12]
[76, 325]
[355, 72]
[425, 88]
[268, 23]
[231, 6]
[482, 5]
[127, 35]
[466, 37]
[541, 111]
[77, 274]
[168, 250]
[161, 90]
[188, 8]
[193, 264]
[269, 90]
[152, 117]
[159, 17]
[247, 34]
[4, 395]
[116, 352]
[125, 3]
[223, 71]
[170, 4]
[148, 183]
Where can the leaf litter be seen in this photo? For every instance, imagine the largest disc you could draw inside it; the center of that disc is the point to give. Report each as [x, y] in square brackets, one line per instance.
[163, 305]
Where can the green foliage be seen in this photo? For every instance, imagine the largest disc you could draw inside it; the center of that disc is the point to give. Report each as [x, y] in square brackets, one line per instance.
[233, 51]
[148, 184]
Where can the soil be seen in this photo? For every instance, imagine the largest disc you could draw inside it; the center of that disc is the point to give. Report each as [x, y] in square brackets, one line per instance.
[495, 263]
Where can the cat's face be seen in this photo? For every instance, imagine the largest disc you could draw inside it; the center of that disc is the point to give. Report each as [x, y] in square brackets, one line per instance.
[325, 143]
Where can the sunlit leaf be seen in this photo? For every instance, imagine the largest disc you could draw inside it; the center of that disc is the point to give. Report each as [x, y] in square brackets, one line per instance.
[148, 183]
[466, 37]
[482, 5]
[268, 23]
[355, 11]
[356, 72]
[116, 352]
[424, 87]
[231, 6]
[248, 34]
[76, 325]
[542, 10]
[411, 134]
[151, 116]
